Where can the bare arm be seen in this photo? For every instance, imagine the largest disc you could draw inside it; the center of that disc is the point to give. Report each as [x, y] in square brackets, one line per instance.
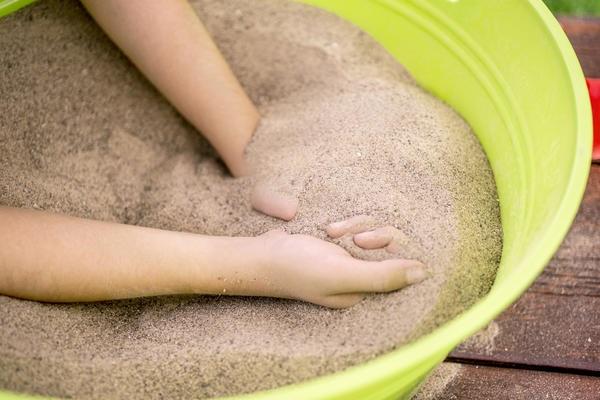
[168, 43]
[52, 257]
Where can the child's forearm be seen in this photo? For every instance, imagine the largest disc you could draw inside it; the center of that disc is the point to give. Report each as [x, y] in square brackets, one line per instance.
[51, 257]
[169, 44]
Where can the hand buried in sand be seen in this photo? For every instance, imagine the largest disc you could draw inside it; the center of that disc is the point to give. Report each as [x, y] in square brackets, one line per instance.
[366, 236]
[306, 268]
[269, 201]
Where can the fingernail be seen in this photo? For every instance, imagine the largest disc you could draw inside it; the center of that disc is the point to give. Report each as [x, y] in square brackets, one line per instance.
[416, 274]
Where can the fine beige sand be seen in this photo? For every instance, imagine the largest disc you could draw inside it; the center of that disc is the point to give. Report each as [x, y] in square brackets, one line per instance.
[345, 128]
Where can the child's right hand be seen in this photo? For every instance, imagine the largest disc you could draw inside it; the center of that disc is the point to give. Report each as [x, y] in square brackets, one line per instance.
[306, 268]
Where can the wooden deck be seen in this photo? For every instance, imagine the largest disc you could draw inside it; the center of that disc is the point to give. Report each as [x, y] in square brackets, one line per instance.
[548, 343]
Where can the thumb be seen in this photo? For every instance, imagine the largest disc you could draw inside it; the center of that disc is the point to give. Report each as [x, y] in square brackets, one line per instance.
[382, 276]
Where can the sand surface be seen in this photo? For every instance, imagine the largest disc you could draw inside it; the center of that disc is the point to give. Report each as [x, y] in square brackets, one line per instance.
[345, 128]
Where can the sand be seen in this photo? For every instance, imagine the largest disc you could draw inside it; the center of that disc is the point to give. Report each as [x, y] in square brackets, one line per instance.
[482, 342]
[437, 381]
[345, 128]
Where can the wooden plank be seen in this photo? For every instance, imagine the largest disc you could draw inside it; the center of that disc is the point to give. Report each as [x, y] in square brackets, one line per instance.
[556, 323]
[575, 269]
[584, 33]
[479, 382]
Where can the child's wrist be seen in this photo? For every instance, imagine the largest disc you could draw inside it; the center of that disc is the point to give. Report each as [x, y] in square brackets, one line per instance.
[234, 266]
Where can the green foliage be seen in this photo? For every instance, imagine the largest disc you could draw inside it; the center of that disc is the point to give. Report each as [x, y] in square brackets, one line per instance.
[577, 7]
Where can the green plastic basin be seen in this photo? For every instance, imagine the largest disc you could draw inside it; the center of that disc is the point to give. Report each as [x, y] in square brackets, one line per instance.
[509, 70]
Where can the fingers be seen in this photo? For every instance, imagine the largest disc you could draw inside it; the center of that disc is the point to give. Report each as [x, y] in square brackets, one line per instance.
[375, 239]
[395, 246]
[389, 237]
[379, 277]
[357, 224]
[361, 276]
[270, 202]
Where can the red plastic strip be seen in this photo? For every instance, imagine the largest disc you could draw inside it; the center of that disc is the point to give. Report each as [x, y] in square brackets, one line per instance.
[594, 88]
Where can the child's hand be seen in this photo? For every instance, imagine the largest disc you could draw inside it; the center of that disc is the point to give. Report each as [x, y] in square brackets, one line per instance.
[367, 235]
[306, 268]
[267, 200]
